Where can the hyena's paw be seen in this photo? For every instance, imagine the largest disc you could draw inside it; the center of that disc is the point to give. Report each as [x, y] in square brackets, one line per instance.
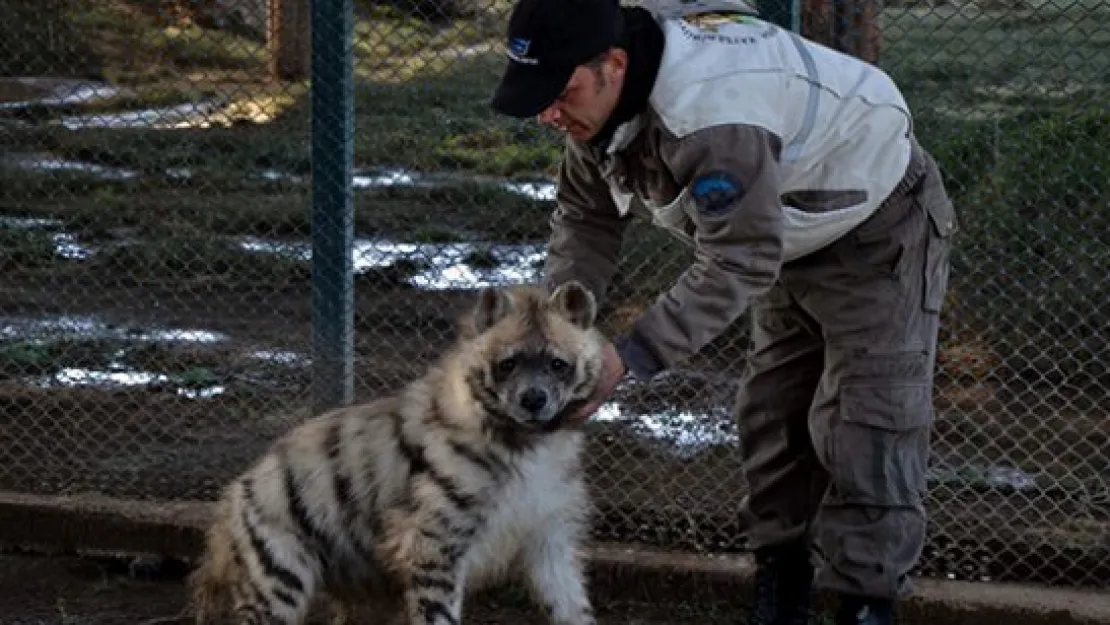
[433, 602]
[582, 616]
[372, 611]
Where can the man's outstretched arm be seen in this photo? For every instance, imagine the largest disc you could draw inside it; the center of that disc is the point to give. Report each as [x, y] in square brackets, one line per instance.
[732, 175]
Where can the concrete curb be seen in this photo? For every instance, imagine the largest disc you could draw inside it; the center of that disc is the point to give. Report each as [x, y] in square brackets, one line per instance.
[645, 572]
[94, 524]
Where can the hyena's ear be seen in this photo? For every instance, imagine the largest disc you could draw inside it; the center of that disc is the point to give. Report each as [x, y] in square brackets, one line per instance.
[493, 304]
[575, 302]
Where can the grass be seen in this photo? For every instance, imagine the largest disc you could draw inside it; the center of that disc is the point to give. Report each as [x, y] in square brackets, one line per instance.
[981, 60]
[409, 112]
[428, 123]
[191, 368]
[268, 208]
[25, 249]
[416, 106]
[1001, 99]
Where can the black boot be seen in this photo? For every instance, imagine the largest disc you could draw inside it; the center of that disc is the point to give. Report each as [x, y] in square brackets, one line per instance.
[782, 586]
[864, 611]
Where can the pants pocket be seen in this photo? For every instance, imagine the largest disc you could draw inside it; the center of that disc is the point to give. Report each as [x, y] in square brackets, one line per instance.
[880, 444]
[936, 204]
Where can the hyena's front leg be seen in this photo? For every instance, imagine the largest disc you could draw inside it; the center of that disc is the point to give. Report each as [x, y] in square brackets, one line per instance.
[434, 595]
[555, 571]
[425, 549]
[434, 578]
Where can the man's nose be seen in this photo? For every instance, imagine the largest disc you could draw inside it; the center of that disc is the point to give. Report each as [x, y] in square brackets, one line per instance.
[549, 115]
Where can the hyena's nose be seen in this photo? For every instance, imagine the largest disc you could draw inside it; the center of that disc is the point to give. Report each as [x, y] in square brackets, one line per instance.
[533, 400]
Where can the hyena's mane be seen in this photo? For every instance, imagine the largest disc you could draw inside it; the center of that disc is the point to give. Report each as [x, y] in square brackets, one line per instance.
[501, 318]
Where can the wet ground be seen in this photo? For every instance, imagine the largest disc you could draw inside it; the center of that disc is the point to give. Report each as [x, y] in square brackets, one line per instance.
[139, 362]
[37, 590]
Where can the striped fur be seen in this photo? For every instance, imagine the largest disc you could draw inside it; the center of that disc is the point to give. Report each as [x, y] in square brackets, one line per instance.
[406, 503]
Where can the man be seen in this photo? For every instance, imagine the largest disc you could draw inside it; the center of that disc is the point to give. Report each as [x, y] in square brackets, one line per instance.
[794, 173]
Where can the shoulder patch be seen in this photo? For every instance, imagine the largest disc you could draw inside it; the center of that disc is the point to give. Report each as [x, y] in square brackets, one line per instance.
[716, 192]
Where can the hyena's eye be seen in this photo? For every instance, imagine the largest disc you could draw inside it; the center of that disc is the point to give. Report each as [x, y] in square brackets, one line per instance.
[558, 365]
[506, 366]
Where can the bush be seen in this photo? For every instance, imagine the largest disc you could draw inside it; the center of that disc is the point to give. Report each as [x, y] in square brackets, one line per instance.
[1031, 256]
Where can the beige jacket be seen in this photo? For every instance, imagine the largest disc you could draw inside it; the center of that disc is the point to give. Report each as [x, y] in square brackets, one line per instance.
[757, 147]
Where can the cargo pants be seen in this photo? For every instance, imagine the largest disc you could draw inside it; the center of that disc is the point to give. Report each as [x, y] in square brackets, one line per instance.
[835, 408]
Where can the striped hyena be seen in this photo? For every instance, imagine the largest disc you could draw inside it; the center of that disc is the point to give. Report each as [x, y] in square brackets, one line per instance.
[406, 503]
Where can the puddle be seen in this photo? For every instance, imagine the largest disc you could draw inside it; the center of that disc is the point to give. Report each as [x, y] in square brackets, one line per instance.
[179, 173]
[21, 93]
[27, 223]
[115, 379]
[280, 357]
[52, 92]
[74, 377]
[384, 179]
[88, 328]
[451, 269]
[988, 477]
[436, 266]
[467, 52]
[65, 245]
[115, 372]
[50, 163]
[538, 190]
[687, 432]
[181, 116]
[448, 265]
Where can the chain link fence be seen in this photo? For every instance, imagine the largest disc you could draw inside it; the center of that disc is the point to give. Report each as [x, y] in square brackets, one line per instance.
[157, 299]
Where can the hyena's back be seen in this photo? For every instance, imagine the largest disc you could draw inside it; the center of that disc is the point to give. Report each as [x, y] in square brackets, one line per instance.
[299, 517]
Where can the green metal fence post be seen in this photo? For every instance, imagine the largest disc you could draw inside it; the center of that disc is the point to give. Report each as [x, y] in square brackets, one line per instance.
[332, 203]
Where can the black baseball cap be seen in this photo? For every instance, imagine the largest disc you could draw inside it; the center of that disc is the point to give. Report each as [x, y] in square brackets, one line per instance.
[548, 39]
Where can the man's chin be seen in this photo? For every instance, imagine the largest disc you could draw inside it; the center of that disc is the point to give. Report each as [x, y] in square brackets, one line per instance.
[582, 134]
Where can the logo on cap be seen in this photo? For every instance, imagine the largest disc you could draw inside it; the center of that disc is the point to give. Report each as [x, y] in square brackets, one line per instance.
[518, 48]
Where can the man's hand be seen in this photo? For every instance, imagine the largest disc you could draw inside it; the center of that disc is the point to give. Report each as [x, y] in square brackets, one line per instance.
[612, 370]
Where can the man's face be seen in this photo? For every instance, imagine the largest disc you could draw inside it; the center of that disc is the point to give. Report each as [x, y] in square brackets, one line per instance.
[591, 94]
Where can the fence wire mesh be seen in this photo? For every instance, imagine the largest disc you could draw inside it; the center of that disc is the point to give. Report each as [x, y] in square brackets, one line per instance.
[155, 284]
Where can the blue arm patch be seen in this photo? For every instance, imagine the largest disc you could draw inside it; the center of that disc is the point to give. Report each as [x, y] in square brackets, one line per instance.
[716, 192]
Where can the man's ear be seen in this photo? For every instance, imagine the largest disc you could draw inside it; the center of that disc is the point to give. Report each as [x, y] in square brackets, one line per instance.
[617, 62]
[619, 57]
